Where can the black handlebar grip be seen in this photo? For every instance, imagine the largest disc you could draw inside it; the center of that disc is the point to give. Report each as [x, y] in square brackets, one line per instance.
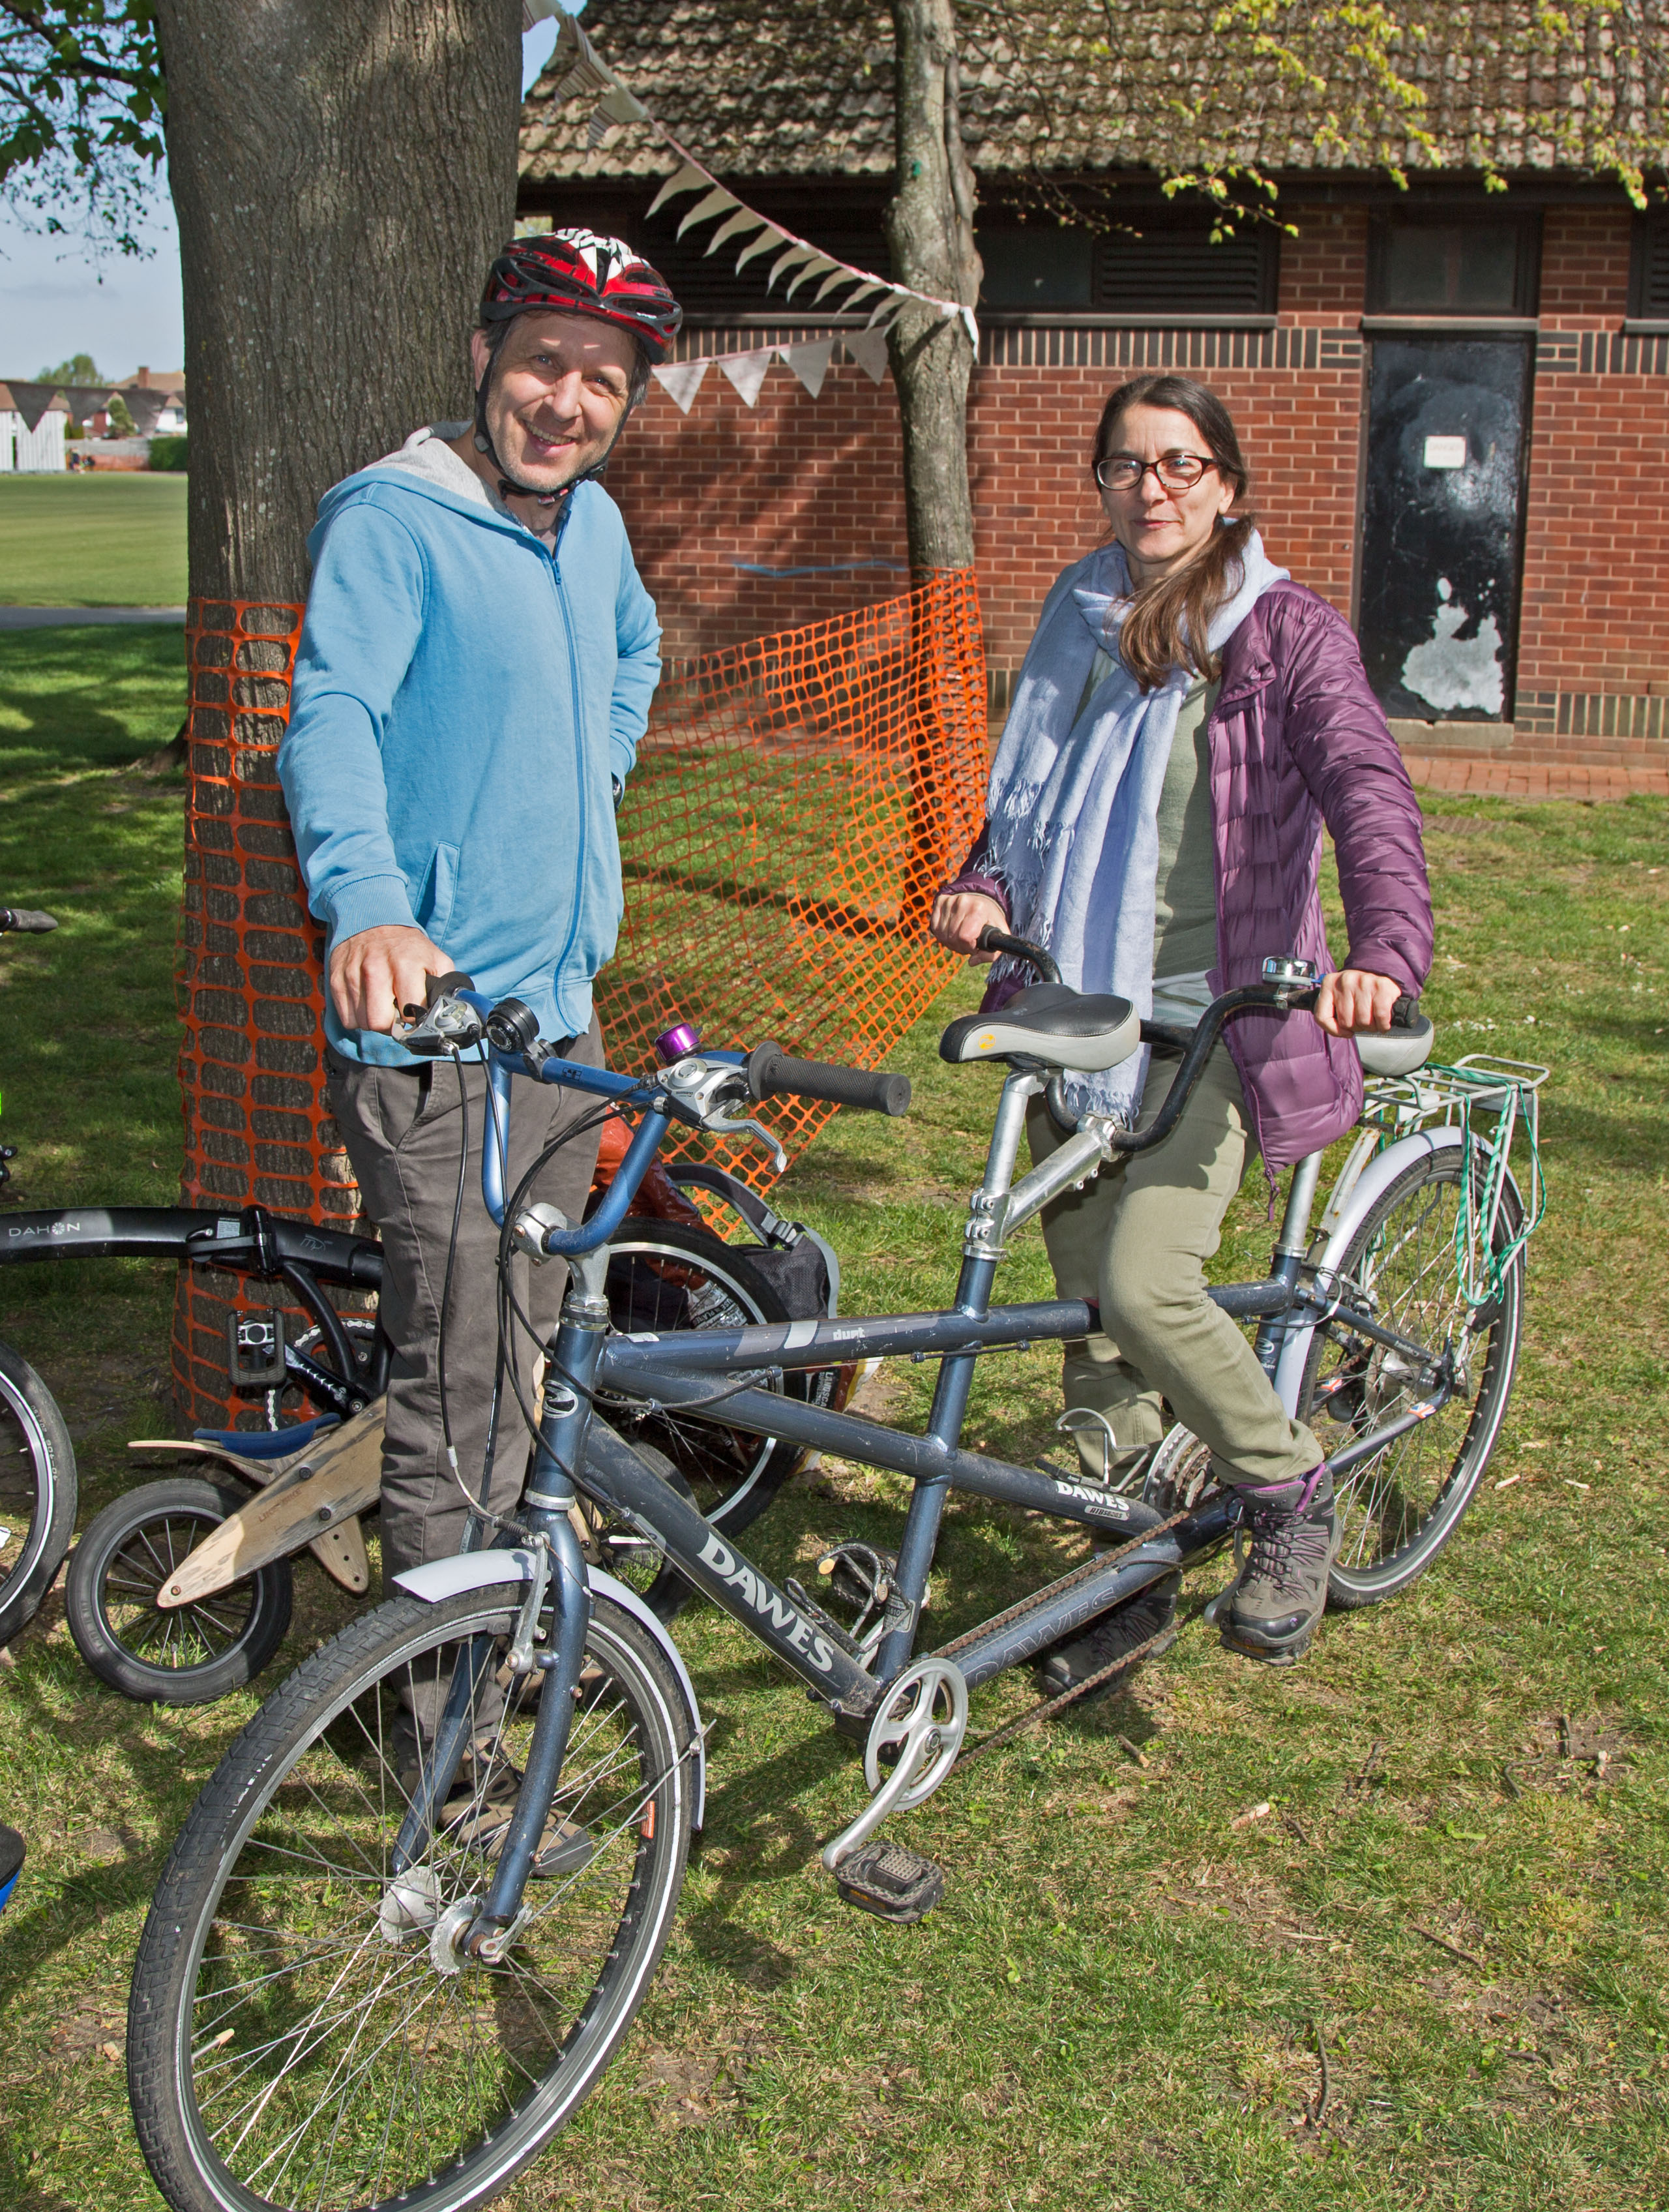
[1405, 1014]
[27, 921]
[435, 987]
[993, 939]
[773, 1073]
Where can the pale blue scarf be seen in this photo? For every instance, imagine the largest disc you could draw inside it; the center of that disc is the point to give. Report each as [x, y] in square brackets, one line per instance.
[1074, 798]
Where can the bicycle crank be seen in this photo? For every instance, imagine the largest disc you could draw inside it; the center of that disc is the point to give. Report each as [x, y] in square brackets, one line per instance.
[918, 1729]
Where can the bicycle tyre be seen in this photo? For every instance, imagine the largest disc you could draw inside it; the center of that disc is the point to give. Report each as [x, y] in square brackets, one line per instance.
[1396, 1510]
[186, 1656]
[283, 1864]
[664, 1276]
[38, 1492]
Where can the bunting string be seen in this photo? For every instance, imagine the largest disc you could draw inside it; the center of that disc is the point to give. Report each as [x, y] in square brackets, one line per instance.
[586, 74]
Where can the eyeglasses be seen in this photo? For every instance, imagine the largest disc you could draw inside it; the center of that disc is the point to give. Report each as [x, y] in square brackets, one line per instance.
[1175, 471]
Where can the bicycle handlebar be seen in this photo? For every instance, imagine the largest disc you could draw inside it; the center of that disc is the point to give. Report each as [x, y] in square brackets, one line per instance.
[1271, 997]
[993, 939]
[773, 1073]
[25, 921]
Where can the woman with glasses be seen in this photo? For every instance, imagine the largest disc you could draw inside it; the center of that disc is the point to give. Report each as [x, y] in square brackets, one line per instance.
[1186, 721]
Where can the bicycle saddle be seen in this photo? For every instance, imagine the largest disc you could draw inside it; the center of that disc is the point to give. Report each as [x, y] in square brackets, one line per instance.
[1061, 1027]
[1396, 1052]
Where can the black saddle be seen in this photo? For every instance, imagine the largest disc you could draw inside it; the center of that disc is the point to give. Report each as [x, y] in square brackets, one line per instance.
[1052, 1023]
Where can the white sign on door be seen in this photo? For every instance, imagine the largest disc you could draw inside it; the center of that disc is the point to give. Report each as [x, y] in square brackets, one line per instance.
[1446, 453]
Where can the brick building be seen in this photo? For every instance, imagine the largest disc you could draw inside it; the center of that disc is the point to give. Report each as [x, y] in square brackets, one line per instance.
[1455, 399]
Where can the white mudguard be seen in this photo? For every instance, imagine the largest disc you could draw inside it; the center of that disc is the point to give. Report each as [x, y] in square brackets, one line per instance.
[1375, 1180]
[468, 1571]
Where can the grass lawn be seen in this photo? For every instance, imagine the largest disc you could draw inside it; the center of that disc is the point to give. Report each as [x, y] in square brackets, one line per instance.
[1118, 2005]
[93, 541]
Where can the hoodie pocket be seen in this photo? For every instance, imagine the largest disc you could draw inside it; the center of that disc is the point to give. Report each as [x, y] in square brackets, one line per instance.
[434, 907]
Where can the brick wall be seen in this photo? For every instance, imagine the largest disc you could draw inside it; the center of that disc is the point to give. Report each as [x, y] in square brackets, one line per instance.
[796, 482]
[1594, 664]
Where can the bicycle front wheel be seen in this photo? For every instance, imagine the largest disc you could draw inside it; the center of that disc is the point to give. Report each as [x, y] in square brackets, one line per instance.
[1397, 1510]
[300, 2033]
[36, 1492]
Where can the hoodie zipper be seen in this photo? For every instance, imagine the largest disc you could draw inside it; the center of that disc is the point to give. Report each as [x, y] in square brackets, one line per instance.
[578, 742]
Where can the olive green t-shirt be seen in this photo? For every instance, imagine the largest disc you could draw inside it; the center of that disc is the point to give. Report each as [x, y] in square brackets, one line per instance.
[1185, 900]
[1184, 903]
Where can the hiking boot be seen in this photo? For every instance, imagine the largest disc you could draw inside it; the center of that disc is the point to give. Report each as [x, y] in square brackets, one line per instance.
[1281, 1593]
[1109, 1636]
[479, 1820]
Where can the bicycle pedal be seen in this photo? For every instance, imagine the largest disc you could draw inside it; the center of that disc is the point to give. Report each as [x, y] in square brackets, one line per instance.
[892, 1883]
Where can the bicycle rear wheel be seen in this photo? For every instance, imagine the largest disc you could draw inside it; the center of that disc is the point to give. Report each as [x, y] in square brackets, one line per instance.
[299, 2033]
[1396, 1510]
[36, 1492]
[664, 1277]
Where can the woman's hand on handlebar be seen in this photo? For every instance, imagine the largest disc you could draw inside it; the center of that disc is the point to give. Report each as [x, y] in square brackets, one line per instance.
[377, 974]
[1354, 999]
[958, 918]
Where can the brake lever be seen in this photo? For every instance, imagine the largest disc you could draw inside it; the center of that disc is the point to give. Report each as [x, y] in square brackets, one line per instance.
[449, 1025]
[702, 1091]
[724, 1125]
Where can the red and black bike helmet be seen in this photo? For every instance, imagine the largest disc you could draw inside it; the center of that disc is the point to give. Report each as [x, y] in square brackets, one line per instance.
[579, 272]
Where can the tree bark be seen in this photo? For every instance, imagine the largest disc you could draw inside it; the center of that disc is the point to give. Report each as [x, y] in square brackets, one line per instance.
[930, 230]
[342, 172]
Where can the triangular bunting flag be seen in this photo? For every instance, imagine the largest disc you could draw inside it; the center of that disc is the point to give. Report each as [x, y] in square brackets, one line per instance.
[869, 349]
[715, 203]
[819, 265]
[768, 238]
[688, 179]
[810, 362]
[681, 380]
[31, 401]
[744, 219]
[746, 371]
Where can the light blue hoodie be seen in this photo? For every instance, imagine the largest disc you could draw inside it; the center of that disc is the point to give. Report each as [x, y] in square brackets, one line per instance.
[462, 700]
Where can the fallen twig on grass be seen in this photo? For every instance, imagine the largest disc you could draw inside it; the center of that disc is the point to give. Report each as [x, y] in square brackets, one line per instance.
[1443, 1944]
[1320, 2113]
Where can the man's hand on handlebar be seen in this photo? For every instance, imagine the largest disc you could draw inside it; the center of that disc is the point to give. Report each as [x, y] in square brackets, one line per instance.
[1354, 999]
[958, 918]
[375, 975]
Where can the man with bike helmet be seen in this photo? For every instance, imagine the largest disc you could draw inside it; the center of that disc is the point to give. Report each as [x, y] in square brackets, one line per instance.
[474, 675]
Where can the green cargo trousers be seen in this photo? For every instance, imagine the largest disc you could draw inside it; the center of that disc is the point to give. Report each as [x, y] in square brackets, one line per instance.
[1136, 1240]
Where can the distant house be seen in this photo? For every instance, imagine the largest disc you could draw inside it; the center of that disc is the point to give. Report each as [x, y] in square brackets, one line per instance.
[31, 448]
[1455, 400]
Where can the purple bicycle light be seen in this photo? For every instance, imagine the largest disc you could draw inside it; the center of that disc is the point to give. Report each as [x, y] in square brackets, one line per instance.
[677, 1043]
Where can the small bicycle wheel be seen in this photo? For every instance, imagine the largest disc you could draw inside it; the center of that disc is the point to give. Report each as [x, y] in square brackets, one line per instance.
[302, 2031]
[189, 1654]
[664, 1276]
[36, 1492]
[1397, 1510]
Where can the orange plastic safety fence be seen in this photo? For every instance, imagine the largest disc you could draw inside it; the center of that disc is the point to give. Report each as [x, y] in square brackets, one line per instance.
[796, 801]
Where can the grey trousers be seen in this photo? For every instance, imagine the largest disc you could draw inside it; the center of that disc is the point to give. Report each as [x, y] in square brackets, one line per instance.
[1136, 1239]
[401, 1127]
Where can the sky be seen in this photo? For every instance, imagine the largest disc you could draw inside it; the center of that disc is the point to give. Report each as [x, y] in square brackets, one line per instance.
[126, 312]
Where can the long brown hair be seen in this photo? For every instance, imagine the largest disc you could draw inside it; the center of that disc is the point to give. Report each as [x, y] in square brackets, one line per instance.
[1168, 624]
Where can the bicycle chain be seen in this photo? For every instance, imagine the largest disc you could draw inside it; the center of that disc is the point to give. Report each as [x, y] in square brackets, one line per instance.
[1161, 1640]
[1090, 1567]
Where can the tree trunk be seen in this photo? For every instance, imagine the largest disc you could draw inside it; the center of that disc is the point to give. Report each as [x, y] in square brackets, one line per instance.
[343, 170]
[930, 229]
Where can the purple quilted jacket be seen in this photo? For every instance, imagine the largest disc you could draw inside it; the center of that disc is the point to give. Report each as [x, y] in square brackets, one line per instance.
[1297, 739]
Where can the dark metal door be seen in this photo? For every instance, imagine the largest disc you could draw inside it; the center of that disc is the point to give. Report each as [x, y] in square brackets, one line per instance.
[1440, 527]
